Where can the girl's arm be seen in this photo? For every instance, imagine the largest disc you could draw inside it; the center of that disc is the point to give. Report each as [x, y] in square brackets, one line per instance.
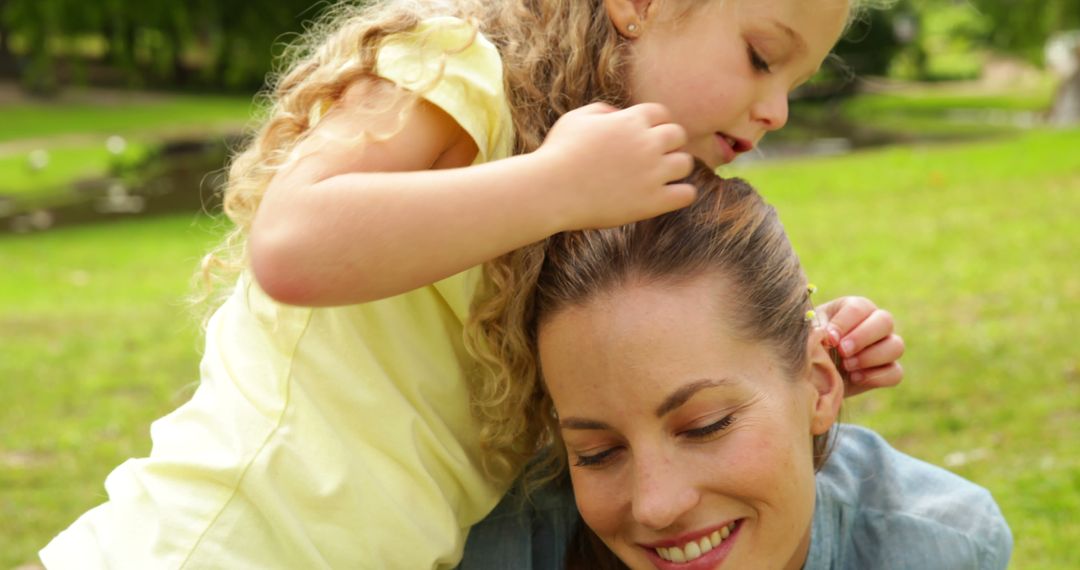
[357, 219]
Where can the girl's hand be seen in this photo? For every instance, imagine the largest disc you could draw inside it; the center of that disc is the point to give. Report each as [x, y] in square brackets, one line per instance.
[865, 338]
[611, 167]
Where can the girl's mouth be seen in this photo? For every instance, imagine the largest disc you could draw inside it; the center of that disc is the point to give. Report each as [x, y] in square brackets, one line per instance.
[738, 145]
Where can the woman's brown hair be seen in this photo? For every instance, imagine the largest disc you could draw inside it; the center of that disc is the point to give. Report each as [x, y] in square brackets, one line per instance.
[729, 230]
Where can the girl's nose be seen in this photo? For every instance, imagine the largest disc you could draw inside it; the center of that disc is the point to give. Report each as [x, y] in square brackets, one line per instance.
[772, 112]
[662, 493]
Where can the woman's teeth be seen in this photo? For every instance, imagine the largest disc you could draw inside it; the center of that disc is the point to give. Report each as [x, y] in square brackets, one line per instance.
[696, 548]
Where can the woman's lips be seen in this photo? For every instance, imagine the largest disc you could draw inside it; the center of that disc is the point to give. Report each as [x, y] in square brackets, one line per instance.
[698, 551]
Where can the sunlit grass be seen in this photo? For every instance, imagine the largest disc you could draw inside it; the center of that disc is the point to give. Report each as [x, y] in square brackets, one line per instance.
[95, 342]
[942, 110]
[973, 248]
[128, 113]
[22, 174]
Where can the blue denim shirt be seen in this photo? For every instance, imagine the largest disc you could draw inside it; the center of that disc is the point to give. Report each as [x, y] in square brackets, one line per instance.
[879, 508]
[876, 509]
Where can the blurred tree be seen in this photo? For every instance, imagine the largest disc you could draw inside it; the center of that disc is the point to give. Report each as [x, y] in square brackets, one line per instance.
[36, 22]
[866, 49]
[1022, 27]
[172, 42]
[7, 59]
[874, 39]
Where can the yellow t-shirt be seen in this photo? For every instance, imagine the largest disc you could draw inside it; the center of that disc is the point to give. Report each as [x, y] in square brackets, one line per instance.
[321, 438]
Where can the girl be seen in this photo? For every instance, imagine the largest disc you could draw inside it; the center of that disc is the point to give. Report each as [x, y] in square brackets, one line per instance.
[335, 424]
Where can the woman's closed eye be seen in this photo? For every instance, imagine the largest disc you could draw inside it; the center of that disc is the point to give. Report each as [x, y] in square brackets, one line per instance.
[710, 430]
[596, 459]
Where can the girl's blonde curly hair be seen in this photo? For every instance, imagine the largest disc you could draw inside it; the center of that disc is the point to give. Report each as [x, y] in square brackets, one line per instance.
[557, 55]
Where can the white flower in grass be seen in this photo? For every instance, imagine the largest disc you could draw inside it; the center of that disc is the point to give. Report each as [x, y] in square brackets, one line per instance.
[38, 159]
[116, 145]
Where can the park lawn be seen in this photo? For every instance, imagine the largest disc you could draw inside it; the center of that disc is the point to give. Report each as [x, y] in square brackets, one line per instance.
[971, 246]
[921, 111]
[66, 164]
[950, 112]
[73, 135]
[127, 113]
[96, 342]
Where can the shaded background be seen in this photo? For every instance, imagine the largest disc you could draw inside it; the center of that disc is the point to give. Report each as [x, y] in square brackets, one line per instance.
[933, 166]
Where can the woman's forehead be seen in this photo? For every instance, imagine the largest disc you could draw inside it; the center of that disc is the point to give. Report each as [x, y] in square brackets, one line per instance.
[649, 337]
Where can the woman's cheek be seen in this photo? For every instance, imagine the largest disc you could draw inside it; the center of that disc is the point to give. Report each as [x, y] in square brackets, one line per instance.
[597, 499]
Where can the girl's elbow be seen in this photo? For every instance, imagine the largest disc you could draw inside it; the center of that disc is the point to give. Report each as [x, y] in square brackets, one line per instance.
[277, 266]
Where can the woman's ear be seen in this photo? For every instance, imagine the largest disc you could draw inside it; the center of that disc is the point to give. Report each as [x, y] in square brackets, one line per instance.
[828, 385]
[628, 16]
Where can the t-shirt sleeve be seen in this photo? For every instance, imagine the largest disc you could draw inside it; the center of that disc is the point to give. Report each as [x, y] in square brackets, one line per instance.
[450, 64]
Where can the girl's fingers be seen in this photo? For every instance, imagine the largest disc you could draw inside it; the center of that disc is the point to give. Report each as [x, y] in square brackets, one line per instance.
[844, 314]
[671, 136]
[880, 377]
[881, 353]
[875, 327]
[594, 108]
[653, 113]
[681, 195]
[677, 165]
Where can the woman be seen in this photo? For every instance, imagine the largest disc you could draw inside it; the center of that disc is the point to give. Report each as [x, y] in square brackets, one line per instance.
[692, 402]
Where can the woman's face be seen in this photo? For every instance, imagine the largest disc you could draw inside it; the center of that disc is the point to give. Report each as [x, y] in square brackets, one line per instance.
[684, 442]
[724, 68]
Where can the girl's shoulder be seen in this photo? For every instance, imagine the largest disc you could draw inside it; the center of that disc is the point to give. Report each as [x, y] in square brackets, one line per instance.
[448, 61]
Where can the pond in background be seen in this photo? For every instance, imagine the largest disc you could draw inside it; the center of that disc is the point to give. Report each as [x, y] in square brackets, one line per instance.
[180, 176]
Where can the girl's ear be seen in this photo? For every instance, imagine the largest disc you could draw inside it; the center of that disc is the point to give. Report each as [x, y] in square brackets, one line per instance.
[828, 385]
[628, 15]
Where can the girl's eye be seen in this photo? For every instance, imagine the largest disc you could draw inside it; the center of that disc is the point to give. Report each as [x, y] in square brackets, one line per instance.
[596, 459]
[715, 427]
[756, 61]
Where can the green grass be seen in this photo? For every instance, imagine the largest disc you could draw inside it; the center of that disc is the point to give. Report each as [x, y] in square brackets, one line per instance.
[74, 137]
[95, 342]
[921, 112]
[947, 111]
[972, 246]
[65, 164]
[122, 116]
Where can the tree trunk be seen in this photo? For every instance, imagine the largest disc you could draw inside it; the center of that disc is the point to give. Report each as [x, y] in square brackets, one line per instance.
[1066, 108]
[8, 65]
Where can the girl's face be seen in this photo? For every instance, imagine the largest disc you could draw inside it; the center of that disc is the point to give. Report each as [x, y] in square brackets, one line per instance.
[724, 68]
[685, 443]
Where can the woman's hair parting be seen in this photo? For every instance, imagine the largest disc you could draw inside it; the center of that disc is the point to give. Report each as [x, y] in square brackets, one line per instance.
[729, 230]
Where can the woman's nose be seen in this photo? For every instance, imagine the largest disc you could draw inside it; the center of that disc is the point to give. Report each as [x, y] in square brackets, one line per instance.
[772, 111]
[662, 493]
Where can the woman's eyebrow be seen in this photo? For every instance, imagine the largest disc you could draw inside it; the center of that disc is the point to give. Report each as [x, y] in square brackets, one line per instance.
[580, 423]
[680, 396]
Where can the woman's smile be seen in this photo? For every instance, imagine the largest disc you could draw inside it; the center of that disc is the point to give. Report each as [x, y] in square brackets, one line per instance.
[706, 549]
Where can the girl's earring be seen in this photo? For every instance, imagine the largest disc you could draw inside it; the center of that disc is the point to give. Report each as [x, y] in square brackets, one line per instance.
[632, 28]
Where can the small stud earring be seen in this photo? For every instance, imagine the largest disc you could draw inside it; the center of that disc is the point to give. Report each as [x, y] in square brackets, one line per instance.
[632, 28]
